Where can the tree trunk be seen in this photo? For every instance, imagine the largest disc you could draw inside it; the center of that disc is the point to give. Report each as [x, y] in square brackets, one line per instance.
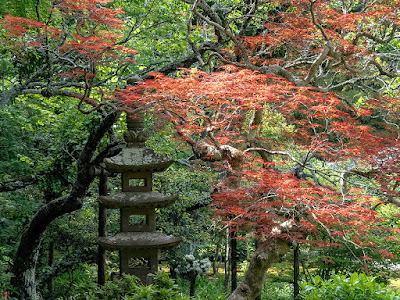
[50, 264]
[256, 246]
[172, 271]
[215, 260]
[233, 261]
[192, 286]
[226, 261]
[24, 268]
[102, 227]
[266, 254]
[296, 271]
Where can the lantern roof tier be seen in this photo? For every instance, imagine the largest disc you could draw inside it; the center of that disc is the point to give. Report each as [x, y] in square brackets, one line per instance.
[137, 200]
[139, 240]
[137, 159]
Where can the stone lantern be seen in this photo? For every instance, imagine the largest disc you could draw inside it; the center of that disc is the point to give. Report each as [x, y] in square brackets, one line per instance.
[138, 242]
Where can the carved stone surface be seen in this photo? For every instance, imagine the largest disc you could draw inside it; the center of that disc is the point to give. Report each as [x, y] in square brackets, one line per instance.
[137, 182]
[137, 199]
[140, 263]
[135, 135]
[139, 240]
[134, 138]
[138, 219]
[137, 159]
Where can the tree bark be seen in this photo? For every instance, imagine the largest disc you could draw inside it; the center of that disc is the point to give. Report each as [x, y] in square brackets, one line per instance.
[233, 260]
[215, 260]
[24, 268]
[226, 261]
[266, 254]
[192, 286]
[101, 259]
[296, 271]
[50, 261]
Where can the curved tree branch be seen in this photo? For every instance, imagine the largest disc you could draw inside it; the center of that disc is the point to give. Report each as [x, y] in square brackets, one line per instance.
[24, 267]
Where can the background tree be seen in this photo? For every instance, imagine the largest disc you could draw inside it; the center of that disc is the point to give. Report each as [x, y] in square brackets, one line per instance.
[71, 50]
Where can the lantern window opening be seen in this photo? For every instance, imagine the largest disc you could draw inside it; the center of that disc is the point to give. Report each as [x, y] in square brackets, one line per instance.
[139, 262]
[138, 220]
[138, 182]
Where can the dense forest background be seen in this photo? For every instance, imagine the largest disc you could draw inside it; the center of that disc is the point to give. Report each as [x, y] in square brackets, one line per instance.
[281, 118]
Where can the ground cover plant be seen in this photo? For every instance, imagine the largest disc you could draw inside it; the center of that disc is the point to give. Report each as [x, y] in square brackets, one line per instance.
[354, 286]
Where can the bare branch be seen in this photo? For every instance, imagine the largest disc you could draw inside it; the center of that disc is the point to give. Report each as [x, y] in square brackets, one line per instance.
[189, 29]
[273, 152]
[350, 82]
[229, 34]
[317, 63]
[207, 9]
[314, 20]
[376, 39]
[247, 17]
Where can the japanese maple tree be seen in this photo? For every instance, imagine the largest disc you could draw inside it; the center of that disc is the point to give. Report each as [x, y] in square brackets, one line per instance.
[74, 50]
[297, 61]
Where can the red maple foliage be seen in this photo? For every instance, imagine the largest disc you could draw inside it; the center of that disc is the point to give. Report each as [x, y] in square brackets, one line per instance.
[269, 193]
[69, 51]
[222, 116]
[73, 49]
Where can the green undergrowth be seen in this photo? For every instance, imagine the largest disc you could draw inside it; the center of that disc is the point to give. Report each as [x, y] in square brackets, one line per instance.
[354, 286]
[127, 287]
[207, 287]
[81, 285]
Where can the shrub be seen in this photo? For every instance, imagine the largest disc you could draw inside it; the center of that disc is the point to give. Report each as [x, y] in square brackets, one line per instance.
[129, 288]
[277, 291]
[339, 287]
[190, 268]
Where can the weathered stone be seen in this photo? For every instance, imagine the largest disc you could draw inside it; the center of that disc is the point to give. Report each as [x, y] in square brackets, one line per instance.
[139, 240]
[137, 182]
[138, 219]
[137, 159]
[140, 263]
[137, 199]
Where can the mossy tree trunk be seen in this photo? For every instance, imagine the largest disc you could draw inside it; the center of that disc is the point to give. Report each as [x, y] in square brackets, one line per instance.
[266, 254]
[24, 268]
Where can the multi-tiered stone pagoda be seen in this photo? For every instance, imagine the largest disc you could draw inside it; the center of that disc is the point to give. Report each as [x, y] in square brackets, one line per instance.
[138, 242]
